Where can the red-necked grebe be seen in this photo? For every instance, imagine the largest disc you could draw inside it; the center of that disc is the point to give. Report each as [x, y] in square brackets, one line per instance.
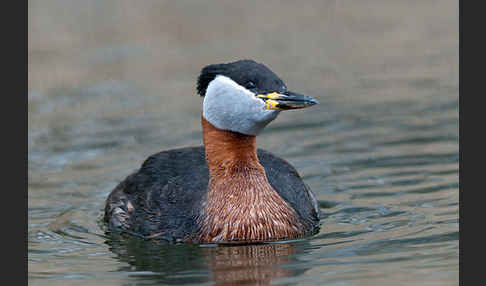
[226, 191]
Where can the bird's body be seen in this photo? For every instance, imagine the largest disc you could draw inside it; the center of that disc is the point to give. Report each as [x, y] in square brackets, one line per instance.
[226, 191]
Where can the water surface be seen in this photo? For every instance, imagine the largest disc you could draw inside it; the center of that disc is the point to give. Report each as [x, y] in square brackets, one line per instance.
[113, 82]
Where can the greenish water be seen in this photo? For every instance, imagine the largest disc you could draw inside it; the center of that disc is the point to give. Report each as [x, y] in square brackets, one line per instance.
[112, 82]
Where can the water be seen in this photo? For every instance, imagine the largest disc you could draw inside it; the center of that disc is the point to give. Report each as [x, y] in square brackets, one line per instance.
[112, 82]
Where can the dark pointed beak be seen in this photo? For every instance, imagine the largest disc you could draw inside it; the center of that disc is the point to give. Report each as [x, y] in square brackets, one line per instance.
[287, 100]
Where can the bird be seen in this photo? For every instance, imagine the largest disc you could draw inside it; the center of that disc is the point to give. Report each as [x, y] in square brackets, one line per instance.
[226, 191]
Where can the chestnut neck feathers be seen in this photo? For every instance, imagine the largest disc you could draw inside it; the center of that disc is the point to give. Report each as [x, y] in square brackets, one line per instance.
[227, 150]
[241, 204]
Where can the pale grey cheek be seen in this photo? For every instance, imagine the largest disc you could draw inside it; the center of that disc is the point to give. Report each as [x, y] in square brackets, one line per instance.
[229, 107]
[241, 113]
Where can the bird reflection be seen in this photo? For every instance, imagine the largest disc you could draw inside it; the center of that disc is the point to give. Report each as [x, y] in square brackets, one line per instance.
[256, 264]
[249, 264]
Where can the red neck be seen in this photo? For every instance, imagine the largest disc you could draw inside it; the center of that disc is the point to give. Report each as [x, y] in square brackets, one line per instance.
[241, 203]
[227, 150]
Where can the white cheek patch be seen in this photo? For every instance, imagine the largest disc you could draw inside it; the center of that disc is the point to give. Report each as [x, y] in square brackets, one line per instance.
[230, 106]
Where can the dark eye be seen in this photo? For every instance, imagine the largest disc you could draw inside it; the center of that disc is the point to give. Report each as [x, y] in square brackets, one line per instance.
[250, 85]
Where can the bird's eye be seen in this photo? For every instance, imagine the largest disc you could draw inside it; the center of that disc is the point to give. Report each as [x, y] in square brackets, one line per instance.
[250, 84]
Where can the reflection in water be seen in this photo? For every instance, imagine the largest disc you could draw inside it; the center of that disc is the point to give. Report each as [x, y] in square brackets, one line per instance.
[250, 264]
[254, 264]
[158, 261]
